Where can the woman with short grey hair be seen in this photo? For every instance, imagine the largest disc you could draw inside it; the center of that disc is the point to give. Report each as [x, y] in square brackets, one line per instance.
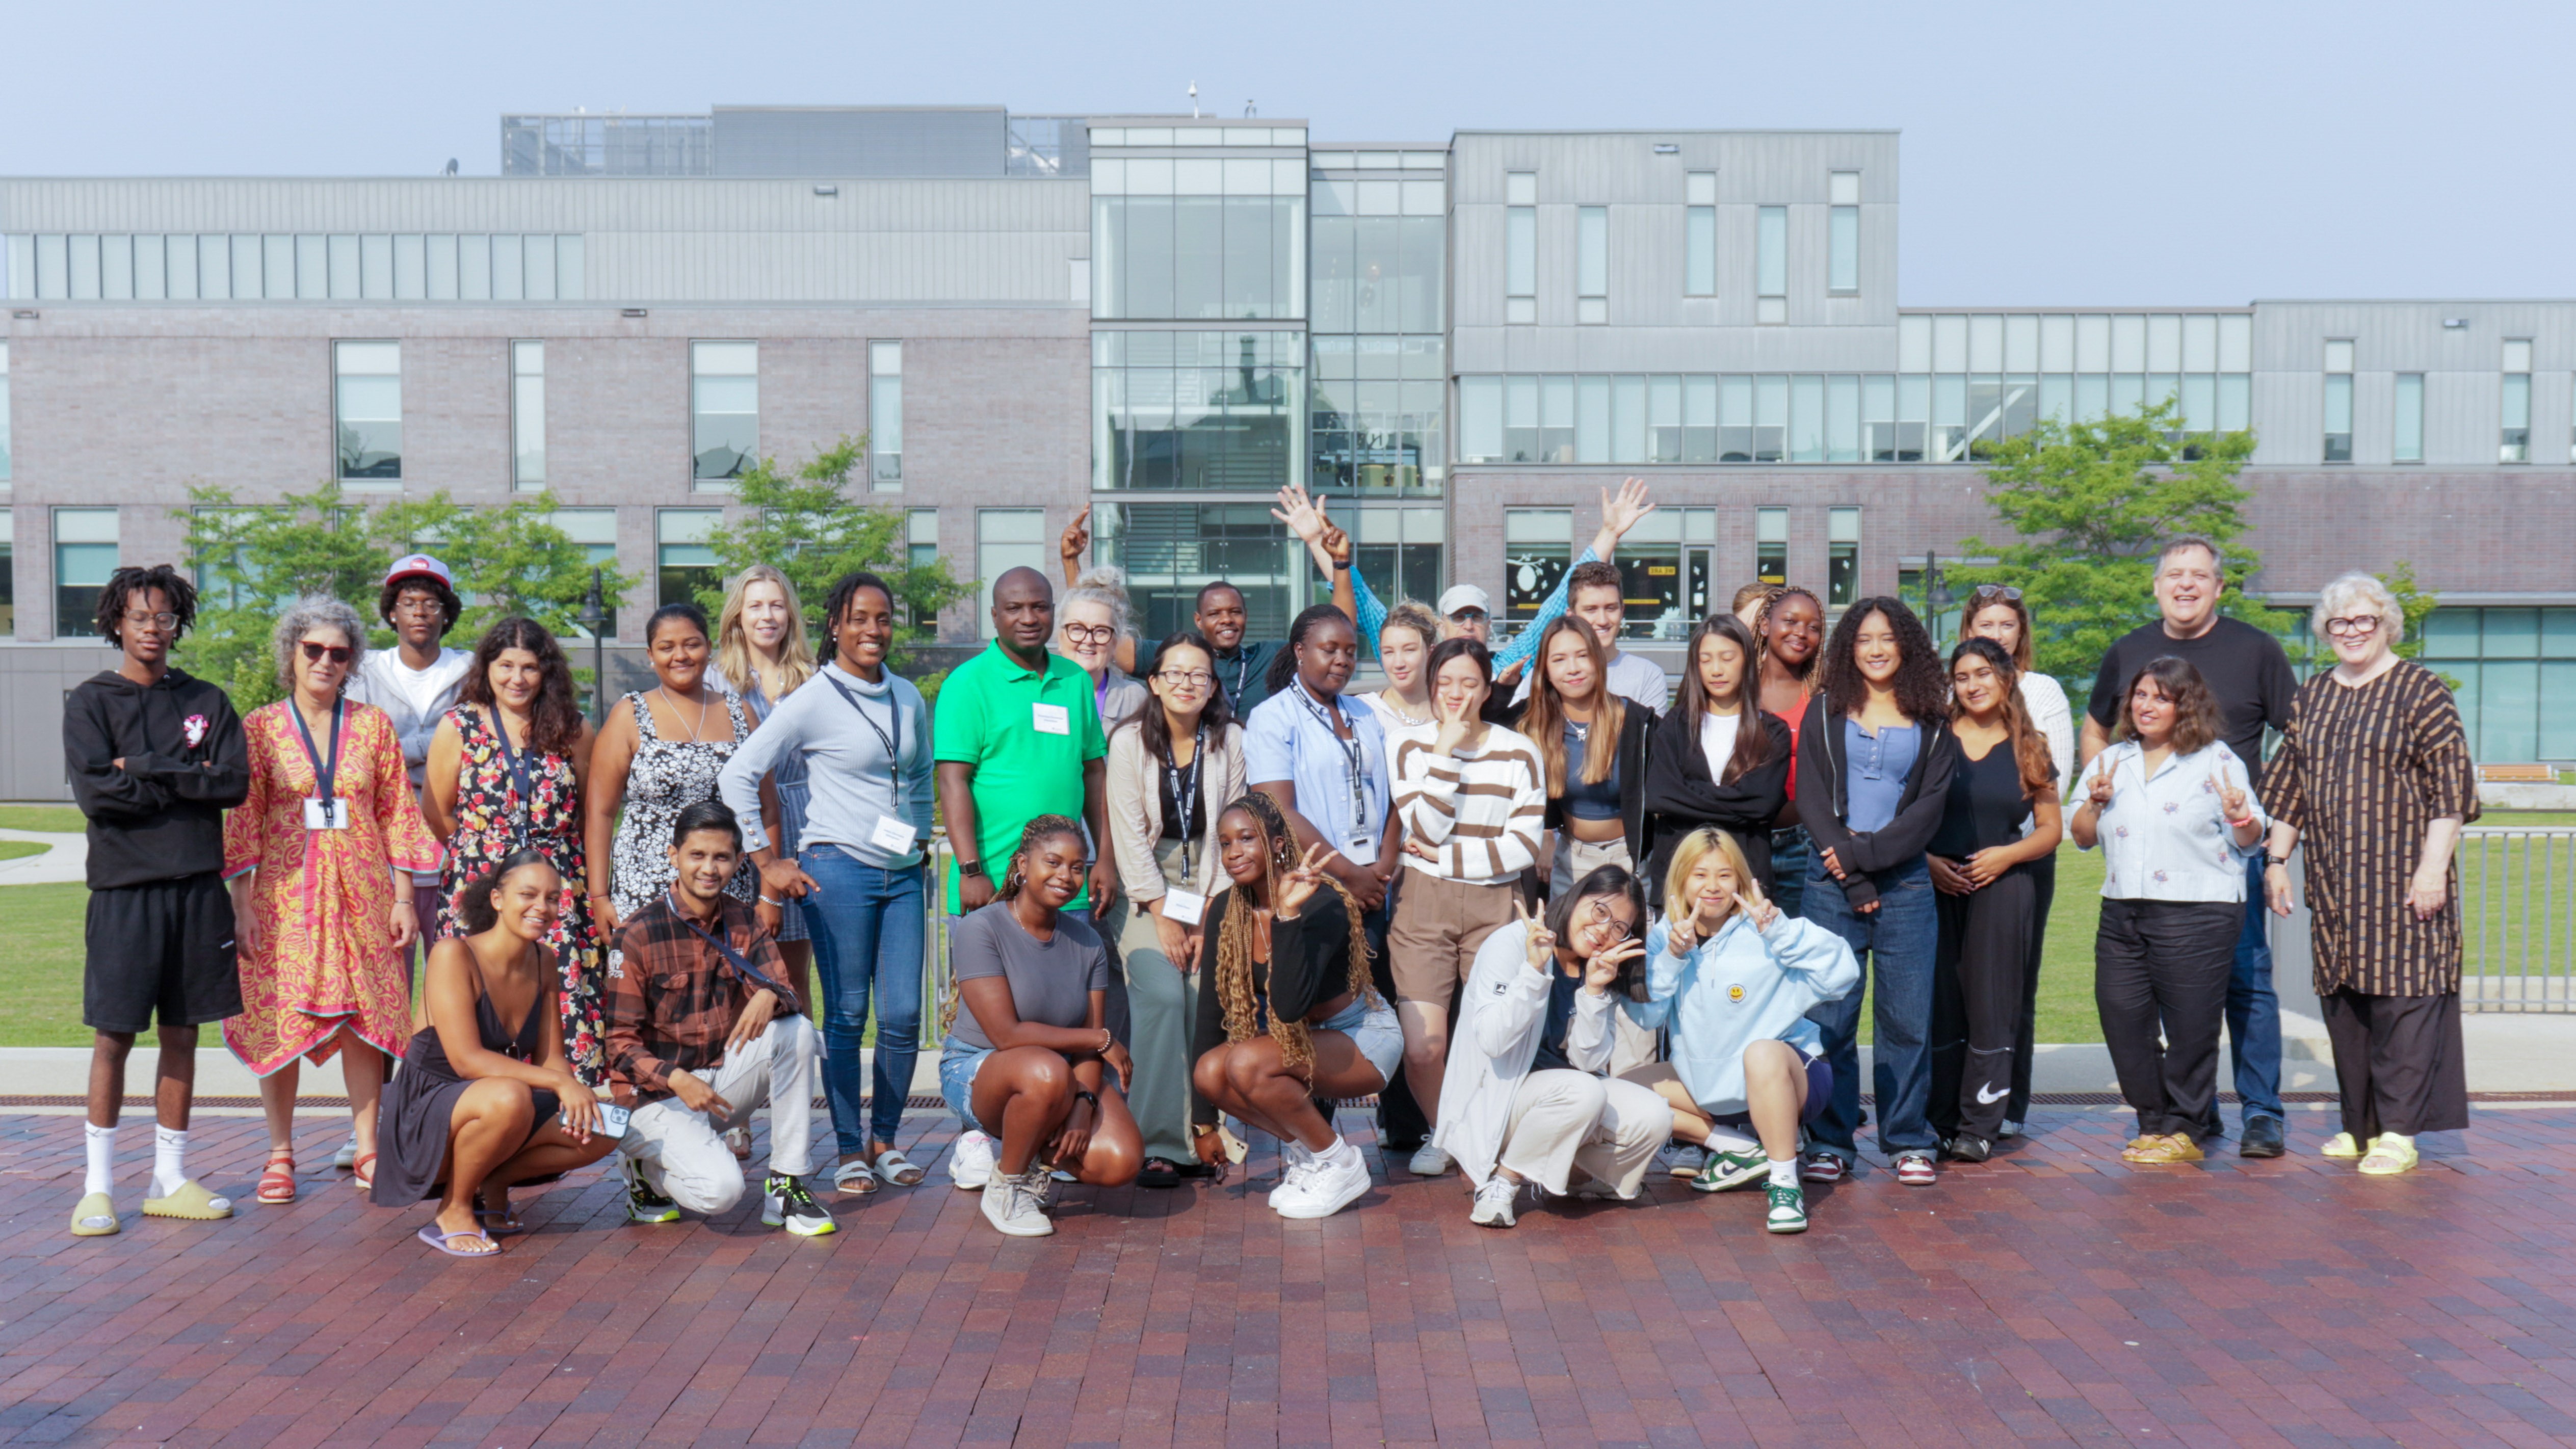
[2374, 777]
[1092, 618]
[316, 611]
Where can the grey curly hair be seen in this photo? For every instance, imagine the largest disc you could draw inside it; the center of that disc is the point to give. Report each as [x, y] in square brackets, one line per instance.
[1106, 586]
[316, 611]
[2355, 591]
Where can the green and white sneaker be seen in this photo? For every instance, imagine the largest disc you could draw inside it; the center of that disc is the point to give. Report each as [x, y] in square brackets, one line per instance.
[643, 1204]
[1788, 1208]
[784, 1203]
[1730, 1169]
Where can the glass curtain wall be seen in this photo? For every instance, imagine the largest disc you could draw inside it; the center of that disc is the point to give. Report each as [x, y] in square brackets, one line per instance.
[1170, 550]
[1380, 359]
[1212, 410]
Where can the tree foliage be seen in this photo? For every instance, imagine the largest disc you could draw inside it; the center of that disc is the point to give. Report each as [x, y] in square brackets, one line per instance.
[251, 560]
[2090, 505]
[806, 523]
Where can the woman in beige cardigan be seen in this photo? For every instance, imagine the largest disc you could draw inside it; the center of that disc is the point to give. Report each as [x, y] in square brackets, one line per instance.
[1172, 768]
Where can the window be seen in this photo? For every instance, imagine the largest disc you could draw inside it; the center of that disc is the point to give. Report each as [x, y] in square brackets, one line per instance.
[595, 530]
[1771, 545]
[1170, 550]
[1005, 539]
[8, 586]
[1699, 235]
[368, 400]
[1592, 264]
[2514, 446]
[84, 555]
[2517, 673]
[1842, 262]
[2338, 444]
[724, 401]
[683, 561]
[1842, 556]
[1197, 409]
[1398, 551]
[5, 473]
[1538, 547]
[528, 414]
[885, 416]
[920, 551]
[2409, 429]
[1771, 263]
[285, 267]
[1197, 238]
[1520, 246]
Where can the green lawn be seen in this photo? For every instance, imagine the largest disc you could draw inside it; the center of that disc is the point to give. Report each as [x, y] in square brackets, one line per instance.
[2066, 1011]
[19, 849]
[60, 819]
[40, 976]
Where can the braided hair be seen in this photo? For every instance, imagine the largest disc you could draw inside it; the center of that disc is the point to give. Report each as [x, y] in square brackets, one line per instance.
[1234, 944]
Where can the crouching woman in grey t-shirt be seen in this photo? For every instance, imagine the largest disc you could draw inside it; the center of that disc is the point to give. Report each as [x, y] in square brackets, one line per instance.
[1028, 1064]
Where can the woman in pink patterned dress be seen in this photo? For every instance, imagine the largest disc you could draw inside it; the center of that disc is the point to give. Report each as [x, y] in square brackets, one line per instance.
[319, 857]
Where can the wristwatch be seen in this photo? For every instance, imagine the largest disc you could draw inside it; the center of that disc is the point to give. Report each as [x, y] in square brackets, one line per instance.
[1341, 563]
[970, 867]
[1082, 1096]
[2272, 860]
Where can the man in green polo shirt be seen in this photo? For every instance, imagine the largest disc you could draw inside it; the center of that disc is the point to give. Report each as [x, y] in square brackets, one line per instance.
[1016, 737]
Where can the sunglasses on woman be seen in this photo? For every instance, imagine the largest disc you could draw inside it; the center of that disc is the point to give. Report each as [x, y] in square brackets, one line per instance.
[313, 653]
[2005, 592]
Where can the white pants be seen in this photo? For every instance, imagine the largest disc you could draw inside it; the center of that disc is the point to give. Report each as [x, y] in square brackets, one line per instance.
[682, 1153]
[1565, 1119]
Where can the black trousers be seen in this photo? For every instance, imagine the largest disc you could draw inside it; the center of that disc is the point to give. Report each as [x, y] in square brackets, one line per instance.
[2043, 874]
[1977, 974]
[2160, 970]
[2398, 1063]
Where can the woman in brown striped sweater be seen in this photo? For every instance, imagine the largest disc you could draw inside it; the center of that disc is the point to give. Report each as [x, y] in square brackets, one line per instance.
[1472, 801]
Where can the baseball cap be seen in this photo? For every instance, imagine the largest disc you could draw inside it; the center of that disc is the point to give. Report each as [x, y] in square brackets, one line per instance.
[420, 566]
[1464, 596]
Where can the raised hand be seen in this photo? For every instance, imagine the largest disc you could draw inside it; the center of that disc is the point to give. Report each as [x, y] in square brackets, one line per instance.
[1337, 543]
[1603, 969]
[1303, 515]
[2231, 798]
[1075, 539]
[1539, 948]
[1757, 908]
[2099, 794]
[1303, 879]
[1622, 513]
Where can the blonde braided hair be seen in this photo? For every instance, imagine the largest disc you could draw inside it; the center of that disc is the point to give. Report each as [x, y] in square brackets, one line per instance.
[1044, 827]
[1234, 944]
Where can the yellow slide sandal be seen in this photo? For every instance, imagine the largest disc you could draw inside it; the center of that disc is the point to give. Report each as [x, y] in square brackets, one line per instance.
[95, 1217]
[191, 1201]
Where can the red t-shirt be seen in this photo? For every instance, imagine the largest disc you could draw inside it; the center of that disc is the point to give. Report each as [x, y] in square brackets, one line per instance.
[1795, 721]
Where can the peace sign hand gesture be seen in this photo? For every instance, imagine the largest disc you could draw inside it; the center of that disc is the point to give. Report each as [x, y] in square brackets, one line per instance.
[1603, 969]
[2231, 798]
[1758, 910]
[1540, 947]
[1302, 881]
[2100, 796]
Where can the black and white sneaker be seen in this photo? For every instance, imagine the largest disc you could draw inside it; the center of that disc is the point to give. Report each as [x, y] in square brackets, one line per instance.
[643, 1204]
[784, 1203]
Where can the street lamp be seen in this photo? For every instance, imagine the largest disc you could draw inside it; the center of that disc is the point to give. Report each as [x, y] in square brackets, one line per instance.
[1937, 597]
[594, 618]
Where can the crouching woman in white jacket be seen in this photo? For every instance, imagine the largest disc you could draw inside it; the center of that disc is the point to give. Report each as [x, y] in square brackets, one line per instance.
[1525, 1098]
[1734, 978]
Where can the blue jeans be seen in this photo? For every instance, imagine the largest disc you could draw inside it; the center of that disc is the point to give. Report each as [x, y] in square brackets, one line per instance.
[2253, 1011]
[867, 932]
[1898, 941]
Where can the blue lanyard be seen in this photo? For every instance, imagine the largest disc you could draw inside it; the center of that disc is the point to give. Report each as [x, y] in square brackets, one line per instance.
[326, 768]
[521, 778]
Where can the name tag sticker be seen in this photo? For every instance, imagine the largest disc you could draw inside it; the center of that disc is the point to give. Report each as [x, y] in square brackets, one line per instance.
[331, 814]
[1186, 907]
[893, 836]
[1051, 719]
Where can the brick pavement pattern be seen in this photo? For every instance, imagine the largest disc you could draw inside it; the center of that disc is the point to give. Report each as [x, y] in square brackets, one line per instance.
[2052, 1295]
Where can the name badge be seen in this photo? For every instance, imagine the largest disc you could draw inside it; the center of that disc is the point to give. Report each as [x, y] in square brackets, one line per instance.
[331, 814]
[1052, 719]
[1186, 907]
[893, 836]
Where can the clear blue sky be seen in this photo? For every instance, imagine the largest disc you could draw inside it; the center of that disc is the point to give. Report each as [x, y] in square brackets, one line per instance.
[2067, 154]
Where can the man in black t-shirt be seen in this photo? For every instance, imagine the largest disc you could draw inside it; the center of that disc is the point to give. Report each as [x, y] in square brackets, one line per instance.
[2251, 678]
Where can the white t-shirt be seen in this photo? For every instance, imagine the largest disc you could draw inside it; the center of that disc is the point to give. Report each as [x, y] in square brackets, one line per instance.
[415, 698]
[1717, 740]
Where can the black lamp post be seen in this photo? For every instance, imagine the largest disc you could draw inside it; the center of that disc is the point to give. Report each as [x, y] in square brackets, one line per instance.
[1937, 597]
[593, 618]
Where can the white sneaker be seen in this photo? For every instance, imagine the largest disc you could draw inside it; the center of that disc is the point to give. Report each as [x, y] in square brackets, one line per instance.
[347, 1157]
[2010, 1129]
[1324, 1185]
[1011, 1205]
[1429, 1162]
[970, 1160]
[1294, 1160]
[1682, 1159]
[1495, 1202]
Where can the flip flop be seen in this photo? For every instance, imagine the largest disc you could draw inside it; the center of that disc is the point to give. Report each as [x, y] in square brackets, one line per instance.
[95, 1217]
[191, 1202]
[1159, 1172]
[499, 1224]
[363, 1172]
[436, 1239]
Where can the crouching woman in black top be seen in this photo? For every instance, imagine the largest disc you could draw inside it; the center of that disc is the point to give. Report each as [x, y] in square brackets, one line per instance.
[1291, 1016]
[480, 1103]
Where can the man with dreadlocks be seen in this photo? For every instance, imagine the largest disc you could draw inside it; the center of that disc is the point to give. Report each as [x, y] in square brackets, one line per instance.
[1293, 1016]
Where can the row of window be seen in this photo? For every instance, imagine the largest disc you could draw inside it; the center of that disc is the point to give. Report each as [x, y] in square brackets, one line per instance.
[1699, 248]
[4, 411]
[309, 267]
[724, 406]
[1805, 418]
[1673, 566]
[2406, 434]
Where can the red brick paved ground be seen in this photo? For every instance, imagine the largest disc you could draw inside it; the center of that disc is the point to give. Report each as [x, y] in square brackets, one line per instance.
[2053, 1296]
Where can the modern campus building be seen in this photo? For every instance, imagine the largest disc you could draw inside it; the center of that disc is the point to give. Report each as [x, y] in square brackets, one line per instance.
[1169, 317]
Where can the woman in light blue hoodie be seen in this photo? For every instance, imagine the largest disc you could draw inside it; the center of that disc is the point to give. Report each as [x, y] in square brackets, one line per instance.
[1734, 978]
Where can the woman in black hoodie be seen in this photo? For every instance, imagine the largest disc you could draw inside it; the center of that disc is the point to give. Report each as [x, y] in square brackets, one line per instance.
[1874, 765]
[1719, 759]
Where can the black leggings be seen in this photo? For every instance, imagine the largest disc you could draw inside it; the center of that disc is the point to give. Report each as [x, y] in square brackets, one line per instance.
[2043, 873]
[1978, 970]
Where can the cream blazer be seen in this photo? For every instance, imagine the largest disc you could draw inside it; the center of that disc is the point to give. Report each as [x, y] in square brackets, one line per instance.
[1135, 800]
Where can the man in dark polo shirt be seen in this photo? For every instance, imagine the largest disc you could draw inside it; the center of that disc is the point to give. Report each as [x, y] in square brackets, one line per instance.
[2251, 679]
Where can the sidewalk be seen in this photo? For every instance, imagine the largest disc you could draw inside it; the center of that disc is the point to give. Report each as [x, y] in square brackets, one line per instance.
[67, 859]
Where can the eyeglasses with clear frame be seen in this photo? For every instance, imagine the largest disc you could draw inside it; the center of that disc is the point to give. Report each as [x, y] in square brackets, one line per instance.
[164, 621]
[1185, 678]
[1599, 914]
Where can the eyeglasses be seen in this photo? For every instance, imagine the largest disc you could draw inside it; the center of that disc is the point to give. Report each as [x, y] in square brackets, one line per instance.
[419, 604]
[2005, 592]
[1185, 679]
[164, 621]
[1090, 634]
[2353, 626]
[313, 653]
[1599, 914]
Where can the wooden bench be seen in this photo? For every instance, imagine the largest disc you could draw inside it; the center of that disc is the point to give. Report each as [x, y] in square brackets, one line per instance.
[2518, 774]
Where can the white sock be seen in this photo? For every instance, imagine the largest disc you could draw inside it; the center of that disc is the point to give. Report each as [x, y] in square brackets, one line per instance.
[1784, 1171]
[169, 1161]
[1335, 1148]
[1727, 1139]
[102, 1159]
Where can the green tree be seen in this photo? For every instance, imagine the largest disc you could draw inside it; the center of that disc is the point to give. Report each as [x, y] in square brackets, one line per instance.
[251, 560]
[2090, 504]
[806, 523]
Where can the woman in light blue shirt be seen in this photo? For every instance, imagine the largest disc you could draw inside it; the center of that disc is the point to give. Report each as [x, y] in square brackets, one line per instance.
[2171, 808]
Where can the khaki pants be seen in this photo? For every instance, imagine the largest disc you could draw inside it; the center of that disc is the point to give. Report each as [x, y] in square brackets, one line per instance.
[1566, 1119]
[682, 1153]
[1576, 859]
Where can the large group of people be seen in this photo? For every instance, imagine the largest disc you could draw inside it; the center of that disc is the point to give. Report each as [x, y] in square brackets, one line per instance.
[1561, 919]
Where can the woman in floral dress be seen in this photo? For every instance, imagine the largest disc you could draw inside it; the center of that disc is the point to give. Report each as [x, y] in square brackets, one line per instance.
[657, 755]
[492, 793]
[319, 857]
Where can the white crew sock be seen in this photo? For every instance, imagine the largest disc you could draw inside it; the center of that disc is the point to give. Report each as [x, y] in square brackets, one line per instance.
[102, 1159]
[169, 1160]
[1784, 1171]
[1727, 1139]
[1336, 1148]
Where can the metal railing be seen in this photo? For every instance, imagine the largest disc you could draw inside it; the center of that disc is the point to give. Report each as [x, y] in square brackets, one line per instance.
[936, 977]
[2518, 918]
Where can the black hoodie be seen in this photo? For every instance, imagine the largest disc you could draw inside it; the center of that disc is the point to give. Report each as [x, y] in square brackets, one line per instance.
[186, 760]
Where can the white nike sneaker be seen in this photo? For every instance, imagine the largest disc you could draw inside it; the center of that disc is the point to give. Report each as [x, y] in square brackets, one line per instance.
[1495, 1202]
[970, 1160]
[1429, 1162]
[1294, 1160]
[1325, 1184]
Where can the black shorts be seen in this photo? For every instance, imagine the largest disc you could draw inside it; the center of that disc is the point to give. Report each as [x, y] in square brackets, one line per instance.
[164, 948]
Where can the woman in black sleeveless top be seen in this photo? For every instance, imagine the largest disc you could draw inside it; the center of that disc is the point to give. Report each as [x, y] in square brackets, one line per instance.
[1981, 865]
[485, 1097]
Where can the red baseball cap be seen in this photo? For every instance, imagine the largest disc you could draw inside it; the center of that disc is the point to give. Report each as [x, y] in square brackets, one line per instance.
[420, 566]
